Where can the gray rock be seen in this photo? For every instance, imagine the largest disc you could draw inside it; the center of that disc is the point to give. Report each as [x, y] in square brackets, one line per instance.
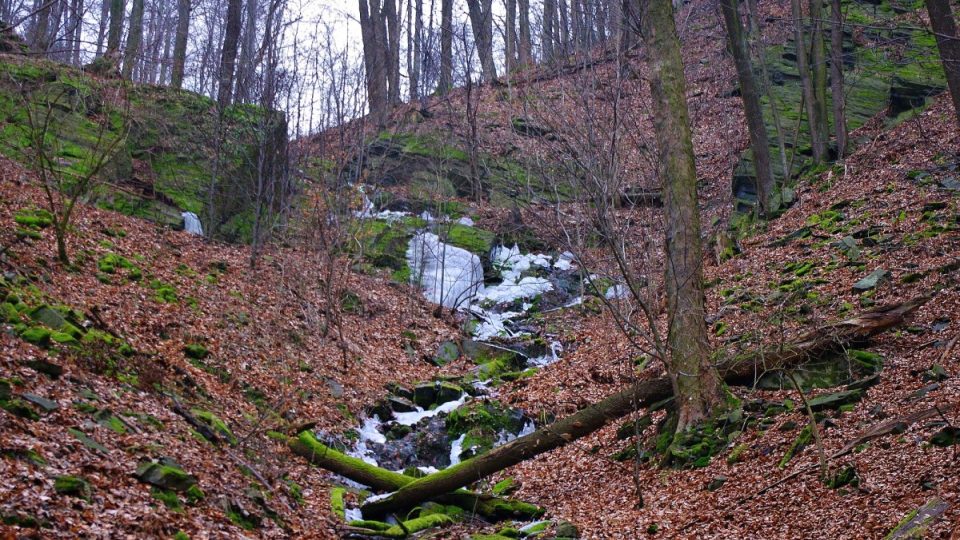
[870, 282]
[446, 353]
[42, 402]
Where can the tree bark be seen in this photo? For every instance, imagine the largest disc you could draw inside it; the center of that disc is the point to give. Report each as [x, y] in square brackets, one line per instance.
[481, 21]
[739, 370]
[134, 36]
[307, 446]
[247, 67]
[510, 37]
[525, 54]
[180, 44]
[836, 78]
[391, 46]
[750, 95]
[116, 28]
[546, 31]
[818, 68]
[446, 46]
[228, 58]
[948, 42]
[695, 379]
[817, 140]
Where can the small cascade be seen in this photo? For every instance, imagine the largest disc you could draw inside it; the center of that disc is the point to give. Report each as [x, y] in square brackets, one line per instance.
[449, 275]
[191, 223]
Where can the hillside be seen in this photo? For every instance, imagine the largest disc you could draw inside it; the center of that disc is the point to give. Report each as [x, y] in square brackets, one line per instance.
[164, 386]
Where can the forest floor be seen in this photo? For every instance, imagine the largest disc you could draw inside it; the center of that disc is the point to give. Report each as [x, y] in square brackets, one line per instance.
[254, 350]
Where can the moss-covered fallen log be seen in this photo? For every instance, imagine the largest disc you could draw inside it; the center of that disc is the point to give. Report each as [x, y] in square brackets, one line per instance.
[321, 455]
[402, 529]
[743, 369]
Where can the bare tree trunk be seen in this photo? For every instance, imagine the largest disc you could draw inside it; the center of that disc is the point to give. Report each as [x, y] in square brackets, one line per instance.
[392, 18]
[836, 79]
[817, 140]
[818, 61]
[134, 37]
[759, 144]
[948, 41]
[614, 24]
[228, 57]
[41, 26]
[510, 37]
[116, 28]
[546, 31]
[76, 30]
[180, 44]
[374, 39]
[526, 43]
[446, 46]
[692, 372]
[246, 68]
[563, 24]
[481, 21]
[102, 32]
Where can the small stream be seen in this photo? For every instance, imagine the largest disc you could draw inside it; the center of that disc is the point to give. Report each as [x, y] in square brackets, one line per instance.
[435, 424]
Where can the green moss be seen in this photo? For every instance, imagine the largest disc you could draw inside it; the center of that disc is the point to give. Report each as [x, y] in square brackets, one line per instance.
[37, 335]
[72, 485]
[471, 239]
[337, 505]
[195, 351]
[164, 293]
[180, 535]
[170, 499]
[218, 425]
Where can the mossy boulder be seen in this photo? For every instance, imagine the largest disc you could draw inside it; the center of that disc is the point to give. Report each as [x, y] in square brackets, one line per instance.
[73, 486]
[37, 335]
[216, 424]
[436, 393]
[195, 351]
[165, 474]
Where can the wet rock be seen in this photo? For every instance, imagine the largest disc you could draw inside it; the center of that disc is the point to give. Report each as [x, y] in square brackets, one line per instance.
[399, 404]
[437, 392]
[565, 529]
[425, 445]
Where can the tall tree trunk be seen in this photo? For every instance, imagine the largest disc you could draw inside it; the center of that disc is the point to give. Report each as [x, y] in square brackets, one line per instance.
[948, 41]
[759, 144]
[817, 140]
[481, 21]
[76, 30]
[818, 67]
[414, 22]
[391, 46]
[134, 36]
[102, 32]
[41, 26]
[694, 377]
[228, 57]
[836, 79]
[446, 46]
[546, 31]
[168, 37]
[247, 68]
[180, 44]
[563, 24]
[116, 28]
[614, 24]
[526, 43]
[510, 37]
[374, 58]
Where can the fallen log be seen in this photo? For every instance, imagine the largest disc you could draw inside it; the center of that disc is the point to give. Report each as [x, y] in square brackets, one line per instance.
[741, 369]
[492, 508]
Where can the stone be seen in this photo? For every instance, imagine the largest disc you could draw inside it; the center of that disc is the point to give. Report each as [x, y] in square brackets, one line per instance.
[47, 368]
[42, 402]
[48, 316]
[446, 353]
[72, 485]
[835, 400]
[870, 282]
[336, 389]
[166, 475]
[399, 404]
[565, 529]
[87, 441]
[716, 483]
[6, 391]
[948, 436]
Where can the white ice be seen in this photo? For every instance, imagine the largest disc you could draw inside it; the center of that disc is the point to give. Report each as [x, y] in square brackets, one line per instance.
[617, 291]
[456, 449]
[564, 261]
[353, 514]
[411, 418]
[549, 358]
[465, 221]
[449, 275]
[191, 223]
[368, 433]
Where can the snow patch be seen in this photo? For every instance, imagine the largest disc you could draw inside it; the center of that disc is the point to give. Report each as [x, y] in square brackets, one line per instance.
[411, 418]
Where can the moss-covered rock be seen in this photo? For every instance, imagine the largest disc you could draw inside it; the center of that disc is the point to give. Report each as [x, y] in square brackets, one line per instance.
[165, 474]
[72, 485]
